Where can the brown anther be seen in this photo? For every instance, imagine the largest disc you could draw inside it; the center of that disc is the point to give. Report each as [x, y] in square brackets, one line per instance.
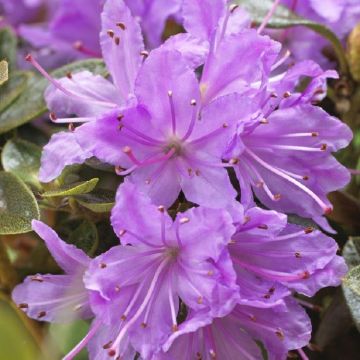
[271, 290]
[120, 117]
[170, 93]
[120, 127]
[263, 227]
[252, 317]
[23, 306]
[107, 345]
[305, 275]
[287, 94]
[71, 127]
[246, 219]
[193, 102]
[41, 314]
[232, 241]
[197, 172]
[69, 75]
[212, 354]
[144, 53]
[28, 57]
[259, 184]
[126, 149]
[117, 40]
[161, 208]
[78, 45]
[78, 307]
[234, 161]
[274, 95]
[121, 25]
[102, 265]
[305, 177]
[323, 147]
[200, 300]
[277, 197]
[280, 334]
[314, 134]
[210, 273]
[37, 278]
[189, 170]
[267, 296]
[174, 328]
[297, 255]
[147, 181]
[198, 356]
[328, 211]
[123, 317]
[122, 232]
[233, 7]
[225, 125]
[184, 220]
[111, 33]
[308, 230]
[264, 121]
[111, 352]
[143, 325]
[52, 116]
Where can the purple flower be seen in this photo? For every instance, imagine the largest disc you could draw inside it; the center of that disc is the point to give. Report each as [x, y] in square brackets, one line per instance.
[271, 256]
[236, 335]
[339, 16]
[56, 297]
[89, 96]
[135, 287]
[169, 142]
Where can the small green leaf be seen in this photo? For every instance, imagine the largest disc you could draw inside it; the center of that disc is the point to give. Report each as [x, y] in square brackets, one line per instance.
[18, 206]
[30, 104]
[8, 43]
[13, 88]
[4, 72]
[351, 285]
[78, 188]
[85, 237]
[284, 18]
[99, 201]
[23, 159]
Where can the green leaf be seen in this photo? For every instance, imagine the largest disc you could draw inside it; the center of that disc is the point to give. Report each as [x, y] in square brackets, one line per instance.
[85, 237]
[30, 104]
[99, 201]
[4, 72]
[23, 159]
[64, 337]
[284, 18]
[18, 206]
[351, 285]
[78, 188]
[8, 43]
[352, 280]
[15, 85]
[18, 340]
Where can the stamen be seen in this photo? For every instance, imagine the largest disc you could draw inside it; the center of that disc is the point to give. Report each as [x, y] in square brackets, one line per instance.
[293, 235]
[287, 94]
[177, 233]
[140, 310]
[302, 354]
[162, 221]
[192, 122]
[326, 208]
[210, 134]
[293, 148]
[128, 151]
[110, 33]
[172, 110]
[121, 25]
[144, 54]
[281, 60]
[268, 16]
[116, 40]
[172, 309]
[56, 120]
[138, 133]
[79, 46]
[309, 134]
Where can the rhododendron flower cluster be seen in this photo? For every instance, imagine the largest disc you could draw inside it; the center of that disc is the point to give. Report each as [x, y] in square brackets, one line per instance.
[214, 142]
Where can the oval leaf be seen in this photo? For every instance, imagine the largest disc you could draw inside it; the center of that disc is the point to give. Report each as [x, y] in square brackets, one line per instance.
[18, 206]
[23, 159]
[73, 189]
[30, 104]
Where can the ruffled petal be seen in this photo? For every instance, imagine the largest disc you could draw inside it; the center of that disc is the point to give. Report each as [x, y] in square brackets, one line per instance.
[61, 150]
[55, 298]
[69, 257]
[122, 48]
